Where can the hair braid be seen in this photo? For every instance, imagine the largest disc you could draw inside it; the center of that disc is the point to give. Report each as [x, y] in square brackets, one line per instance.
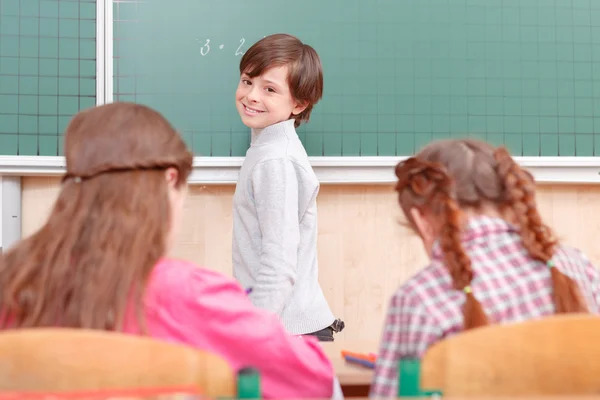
[538, 239]
[428, 183]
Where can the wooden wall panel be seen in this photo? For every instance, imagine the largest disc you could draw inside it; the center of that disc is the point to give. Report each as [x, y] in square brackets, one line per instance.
[364, 252]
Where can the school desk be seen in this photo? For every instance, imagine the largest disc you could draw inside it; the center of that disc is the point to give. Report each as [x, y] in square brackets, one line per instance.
[354, 379]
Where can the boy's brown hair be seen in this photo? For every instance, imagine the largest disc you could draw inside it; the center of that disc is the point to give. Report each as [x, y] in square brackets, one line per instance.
[449, 176]
[305, 77]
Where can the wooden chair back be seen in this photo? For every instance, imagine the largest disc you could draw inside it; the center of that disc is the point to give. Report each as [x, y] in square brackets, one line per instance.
[551, 356]
[71, 360]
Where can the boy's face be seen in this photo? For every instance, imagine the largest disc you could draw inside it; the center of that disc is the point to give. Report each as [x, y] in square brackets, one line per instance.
[266, 99]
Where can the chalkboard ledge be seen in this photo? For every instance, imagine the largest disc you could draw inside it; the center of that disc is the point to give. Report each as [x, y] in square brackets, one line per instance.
[329, 170]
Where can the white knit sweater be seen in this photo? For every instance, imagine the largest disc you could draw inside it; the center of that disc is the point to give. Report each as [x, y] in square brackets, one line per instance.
[275, 230]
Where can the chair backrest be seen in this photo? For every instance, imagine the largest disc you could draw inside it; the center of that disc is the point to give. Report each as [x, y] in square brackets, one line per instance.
[550, 356]
[67, 360]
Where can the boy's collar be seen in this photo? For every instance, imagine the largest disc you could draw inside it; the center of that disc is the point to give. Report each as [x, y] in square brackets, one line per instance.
[272, 133]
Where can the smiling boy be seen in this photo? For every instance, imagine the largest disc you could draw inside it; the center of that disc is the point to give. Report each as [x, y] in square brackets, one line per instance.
[274, 206]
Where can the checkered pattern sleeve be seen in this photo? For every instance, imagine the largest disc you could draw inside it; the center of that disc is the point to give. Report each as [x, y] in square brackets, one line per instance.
[409, 330]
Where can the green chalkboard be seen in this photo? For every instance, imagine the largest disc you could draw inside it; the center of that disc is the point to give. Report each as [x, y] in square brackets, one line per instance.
[47, 71]
[398, 73]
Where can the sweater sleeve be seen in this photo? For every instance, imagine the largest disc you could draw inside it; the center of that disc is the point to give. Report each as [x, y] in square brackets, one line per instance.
[275, 188]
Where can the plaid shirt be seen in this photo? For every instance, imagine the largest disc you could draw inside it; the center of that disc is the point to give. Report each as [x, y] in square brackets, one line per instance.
[510, 285]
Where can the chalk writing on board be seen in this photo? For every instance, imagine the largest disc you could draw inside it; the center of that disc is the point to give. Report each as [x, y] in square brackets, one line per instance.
[238, 52]
[205, 47]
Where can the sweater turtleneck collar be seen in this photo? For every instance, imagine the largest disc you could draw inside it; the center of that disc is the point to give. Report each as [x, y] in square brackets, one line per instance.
[273, 133]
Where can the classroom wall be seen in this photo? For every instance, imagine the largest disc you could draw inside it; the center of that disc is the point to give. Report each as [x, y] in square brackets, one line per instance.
[364, 252]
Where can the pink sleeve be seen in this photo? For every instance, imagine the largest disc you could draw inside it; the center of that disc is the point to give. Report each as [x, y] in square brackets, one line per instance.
[290, 367]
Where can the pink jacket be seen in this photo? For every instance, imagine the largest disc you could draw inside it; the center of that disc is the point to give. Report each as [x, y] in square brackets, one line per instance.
[207, 310]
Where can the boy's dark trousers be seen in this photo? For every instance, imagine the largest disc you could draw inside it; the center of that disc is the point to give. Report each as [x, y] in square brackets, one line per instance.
[326, 334]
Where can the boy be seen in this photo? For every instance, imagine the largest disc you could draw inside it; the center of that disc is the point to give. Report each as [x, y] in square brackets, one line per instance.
[274, 206]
